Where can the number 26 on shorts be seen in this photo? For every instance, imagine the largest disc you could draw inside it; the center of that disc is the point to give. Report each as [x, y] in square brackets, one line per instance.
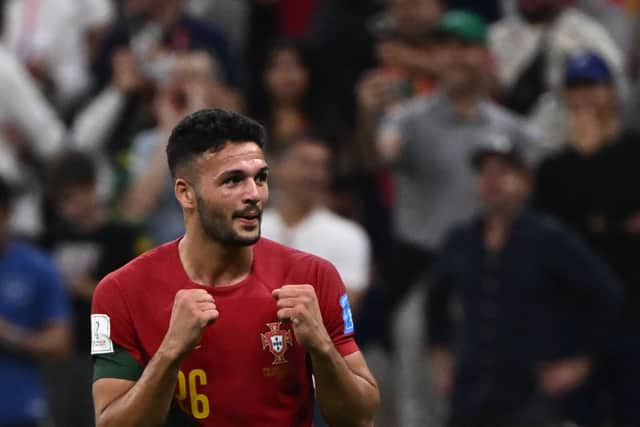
[197, 404]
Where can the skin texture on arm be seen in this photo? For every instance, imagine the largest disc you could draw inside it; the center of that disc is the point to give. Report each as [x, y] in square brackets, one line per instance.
[346, 390]
[146, 402]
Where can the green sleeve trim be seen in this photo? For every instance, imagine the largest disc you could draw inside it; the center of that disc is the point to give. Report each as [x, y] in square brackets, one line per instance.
[119, 364]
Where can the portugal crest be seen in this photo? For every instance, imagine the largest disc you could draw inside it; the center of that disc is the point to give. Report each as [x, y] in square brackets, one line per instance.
[277, 341]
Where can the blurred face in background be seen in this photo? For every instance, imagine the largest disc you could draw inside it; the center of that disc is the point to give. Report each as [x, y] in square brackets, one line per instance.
[502, 186]
[303, 171]
[77, 204]
[286, 77]
[464, 64]
[414, 18]
[599, 99]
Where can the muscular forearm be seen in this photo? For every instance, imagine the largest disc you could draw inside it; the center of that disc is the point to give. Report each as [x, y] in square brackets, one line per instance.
[147, 403]
[345, 398]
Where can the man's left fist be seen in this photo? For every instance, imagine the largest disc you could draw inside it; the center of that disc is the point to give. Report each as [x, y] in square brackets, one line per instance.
[299, 305]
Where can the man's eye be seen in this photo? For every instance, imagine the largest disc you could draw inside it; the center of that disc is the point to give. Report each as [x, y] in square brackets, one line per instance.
[262, 177]
[232, 180]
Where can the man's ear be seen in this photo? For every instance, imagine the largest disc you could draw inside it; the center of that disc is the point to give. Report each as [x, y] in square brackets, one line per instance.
[185, 193]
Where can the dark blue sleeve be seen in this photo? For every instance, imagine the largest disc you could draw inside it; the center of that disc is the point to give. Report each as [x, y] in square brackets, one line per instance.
[54, 303]
[439, 325]
[594, 285]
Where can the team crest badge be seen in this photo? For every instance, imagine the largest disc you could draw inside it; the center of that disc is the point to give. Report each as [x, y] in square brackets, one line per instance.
[277, 341]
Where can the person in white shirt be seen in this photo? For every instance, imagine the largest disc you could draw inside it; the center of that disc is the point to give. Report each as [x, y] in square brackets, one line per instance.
[27, 124]
[531, 46]
[52, 38]
[299, 217]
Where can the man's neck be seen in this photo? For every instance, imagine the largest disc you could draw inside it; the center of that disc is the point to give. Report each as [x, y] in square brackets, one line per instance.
[209, 263]
[464, 102]
[496, 228]
[294, 212]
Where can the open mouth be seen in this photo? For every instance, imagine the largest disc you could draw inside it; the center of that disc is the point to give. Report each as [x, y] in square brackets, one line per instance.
[250, 217]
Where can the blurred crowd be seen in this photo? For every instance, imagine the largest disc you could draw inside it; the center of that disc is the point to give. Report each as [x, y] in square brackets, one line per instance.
[482, 151]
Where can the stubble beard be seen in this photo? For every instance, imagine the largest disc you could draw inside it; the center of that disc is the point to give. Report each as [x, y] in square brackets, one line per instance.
[220, 229]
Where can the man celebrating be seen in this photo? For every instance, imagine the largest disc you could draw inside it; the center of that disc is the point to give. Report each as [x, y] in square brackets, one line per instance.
[220, 322]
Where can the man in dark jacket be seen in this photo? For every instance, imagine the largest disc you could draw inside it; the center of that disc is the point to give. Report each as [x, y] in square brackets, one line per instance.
[531, 306]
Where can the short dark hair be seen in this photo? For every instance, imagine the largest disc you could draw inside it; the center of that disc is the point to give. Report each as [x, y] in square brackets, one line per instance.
[70, 168]
[210, 130]
[307, 136]
[6, 195]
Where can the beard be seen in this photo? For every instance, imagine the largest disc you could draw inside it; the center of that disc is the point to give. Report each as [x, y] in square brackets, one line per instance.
[219, 228]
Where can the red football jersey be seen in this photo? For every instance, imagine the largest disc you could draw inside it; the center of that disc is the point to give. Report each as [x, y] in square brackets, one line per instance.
[248, 368]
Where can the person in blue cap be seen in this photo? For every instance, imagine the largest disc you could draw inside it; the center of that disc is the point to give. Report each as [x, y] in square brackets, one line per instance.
[592, 186]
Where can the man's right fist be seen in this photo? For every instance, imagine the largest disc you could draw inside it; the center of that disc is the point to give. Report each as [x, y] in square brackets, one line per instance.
[193, 310]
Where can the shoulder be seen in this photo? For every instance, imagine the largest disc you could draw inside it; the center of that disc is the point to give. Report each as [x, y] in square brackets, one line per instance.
[131, 275]
[32, 258]
[502, 116]
[460, 234]
[547, 227]
[411, 109]
[276, 260]
[346, 230]
[576, 20]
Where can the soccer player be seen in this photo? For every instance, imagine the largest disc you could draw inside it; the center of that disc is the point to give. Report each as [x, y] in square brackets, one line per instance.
[221, 327]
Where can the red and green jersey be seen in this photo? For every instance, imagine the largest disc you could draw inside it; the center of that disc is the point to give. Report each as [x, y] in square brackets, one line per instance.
[248, 368]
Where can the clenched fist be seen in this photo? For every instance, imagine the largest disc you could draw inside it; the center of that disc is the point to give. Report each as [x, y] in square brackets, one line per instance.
[193, 310]
[299, 305]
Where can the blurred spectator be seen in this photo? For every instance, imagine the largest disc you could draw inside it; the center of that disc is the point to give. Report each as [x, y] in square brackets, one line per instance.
[519, 307]
[407, 67]
[135, 56]
[531, 47]
[300, 218]
[30, 132]
[192, 84]
[590, 186]
[152, 30]
[34, 324]
[284, 98]
[52, 38]
[230, 16]
[426, 144]
[619, 21]
[86, 244]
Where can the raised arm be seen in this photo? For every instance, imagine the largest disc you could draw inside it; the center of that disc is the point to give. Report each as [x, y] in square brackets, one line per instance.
[346, 391]
[146, 402]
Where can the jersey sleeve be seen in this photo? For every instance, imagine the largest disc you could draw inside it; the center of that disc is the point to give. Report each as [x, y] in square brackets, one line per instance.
[334, 305]
[112, 329]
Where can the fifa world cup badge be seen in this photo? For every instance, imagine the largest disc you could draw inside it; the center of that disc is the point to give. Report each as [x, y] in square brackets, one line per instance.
[277, 341]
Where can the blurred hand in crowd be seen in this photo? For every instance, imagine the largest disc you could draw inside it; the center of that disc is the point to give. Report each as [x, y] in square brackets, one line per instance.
[191, 85]
[127, 75]
[379, 90]
[559, 378]
[442, 369]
